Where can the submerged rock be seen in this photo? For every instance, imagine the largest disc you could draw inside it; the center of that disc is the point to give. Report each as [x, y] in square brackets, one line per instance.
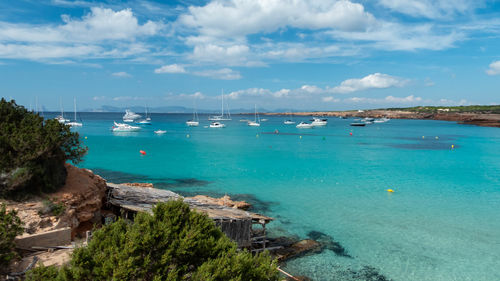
[297, 249]
[327, 242]
[223, 201]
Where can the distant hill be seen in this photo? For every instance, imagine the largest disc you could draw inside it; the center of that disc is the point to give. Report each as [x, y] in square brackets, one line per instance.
[483, 109]
[168, 109]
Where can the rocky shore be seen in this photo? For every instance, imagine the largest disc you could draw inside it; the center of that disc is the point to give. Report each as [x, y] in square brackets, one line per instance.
[478, 119]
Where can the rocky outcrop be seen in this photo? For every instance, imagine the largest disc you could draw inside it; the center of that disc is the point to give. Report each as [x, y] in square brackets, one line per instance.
[223, 201]
[76, 205]
[297, 249]
[82, 196]
[139, 184]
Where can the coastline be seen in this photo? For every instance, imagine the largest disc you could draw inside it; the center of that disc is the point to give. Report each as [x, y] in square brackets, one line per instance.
[478, 119]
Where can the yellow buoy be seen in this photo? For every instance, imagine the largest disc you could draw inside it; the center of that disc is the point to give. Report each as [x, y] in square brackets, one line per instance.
[300, 137]
[187, 136]
[257, 135]
[390, 190]
[85, 137]
[452, 146]
[437, 138]
[423, 137]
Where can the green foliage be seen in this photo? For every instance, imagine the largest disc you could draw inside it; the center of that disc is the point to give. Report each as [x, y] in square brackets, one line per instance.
[51, 207]
[43, 273]
[33, 151]
[10, 227]
[174, 243]
[454, 109]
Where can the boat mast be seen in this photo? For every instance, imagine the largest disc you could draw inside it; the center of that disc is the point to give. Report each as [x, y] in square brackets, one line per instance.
[74, 103]
[222, 99]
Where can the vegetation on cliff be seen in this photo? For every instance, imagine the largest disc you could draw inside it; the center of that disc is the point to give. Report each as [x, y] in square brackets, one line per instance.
[480, 109]
[174, 243]
[10, 227]
[33, 151]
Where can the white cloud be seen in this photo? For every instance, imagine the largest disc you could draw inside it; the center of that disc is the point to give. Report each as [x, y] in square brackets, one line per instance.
[244, 17]
[408, 99]
[494, 68]
[387, 100]
[172, 68]
[432, 8]
[222, 74]
[121, 74]
[100, 33]
[372, 81]
[330, 99]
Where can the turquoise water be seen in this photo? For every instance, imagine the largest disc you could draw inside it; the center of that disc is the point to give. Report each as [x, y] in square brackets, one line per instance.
[441, 223]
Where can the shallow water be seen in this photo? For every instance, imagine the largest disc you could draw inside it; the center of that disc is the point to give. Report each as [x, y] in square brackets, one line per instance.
[441, 223]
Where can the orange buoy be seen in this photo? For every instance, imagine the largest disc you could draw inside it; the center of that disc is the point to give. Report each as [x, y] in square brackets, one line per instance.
[142, 152]
[350, 133]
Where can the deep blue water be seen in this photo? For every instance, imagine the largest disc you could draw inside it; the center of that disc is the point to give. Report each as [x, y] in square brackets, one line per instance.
[441, 223]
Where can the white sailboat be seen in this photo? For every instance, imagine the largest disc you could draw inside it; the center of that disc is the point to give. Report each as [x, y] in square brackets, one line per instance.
[195, 121]
[257, 118]
[146, 121]
[74, 123]
[221, 117]
[289, 121]
[61, 118]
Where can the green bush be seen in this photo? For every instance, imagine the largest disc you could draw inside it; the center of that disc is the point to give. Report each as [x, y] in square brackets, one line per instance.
[10, 227]
[51, 207]
[174, 243]
[33, 151]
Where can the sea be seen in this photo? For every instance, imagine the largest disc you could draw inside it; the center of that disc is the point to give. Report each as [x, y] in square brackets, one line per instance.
[441, 222]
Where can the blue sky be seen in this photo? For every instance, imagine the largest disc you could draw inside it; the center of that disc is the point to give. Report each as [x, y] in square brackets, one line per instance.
[309, 55]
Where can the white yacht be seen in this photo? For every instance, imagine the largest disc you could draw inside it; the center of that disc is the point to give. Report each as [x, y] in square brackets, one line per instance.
[319, 121]
[122, 127]
[304, 125]
[61, 118]
[74, 123]
[217, 125]
[130, 116]
[160, 132]
[221, 117]
[256, 122]
[289, 122]
[381, 120]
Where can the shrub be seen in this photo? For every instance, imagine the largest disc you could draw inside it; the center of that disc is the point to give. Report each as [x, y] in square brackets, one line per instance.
[33, 151]
[174, 243]
[51, 207]
[10, 227]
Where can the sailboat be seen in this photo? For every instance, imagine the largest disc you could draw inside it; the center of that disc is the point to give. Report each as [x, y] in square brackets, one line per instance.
[255, 123]
[61, 118]
[195, 121]
[221, 117]
[74, 123]
[289, 121]
[130, 116]
[146, 121]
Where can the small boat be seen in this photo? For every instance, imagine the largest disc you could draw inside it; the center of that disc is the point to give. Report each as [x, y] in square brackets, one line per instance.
[61, 119]
[381, 120]
[244, 120]
[264, 120]
[319, 122]
[217, 125]
[255, 123]
[122, 127]
[289, 122]
[160, 132]
[74, 123]
[130, 116]
[143, 122]
[304, 125]
[360, 124]
[195, 121]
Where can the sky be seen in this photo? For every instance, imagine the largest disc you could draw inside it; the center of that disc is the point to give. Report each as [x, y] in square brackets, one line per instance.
[276, 54]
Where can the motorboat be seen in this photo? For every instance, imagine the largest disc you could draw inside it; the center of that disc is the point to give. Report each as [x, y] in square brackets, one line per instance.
[319, 122]
[381, 120]
[359, 124]
[160, 132]
[217, 125]
[289, 122]
[130, 116]
[221, 117]
[264, 120]
[304, 125]
[74, 123]
[122, 127]
[256, 122]
[244, 120]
